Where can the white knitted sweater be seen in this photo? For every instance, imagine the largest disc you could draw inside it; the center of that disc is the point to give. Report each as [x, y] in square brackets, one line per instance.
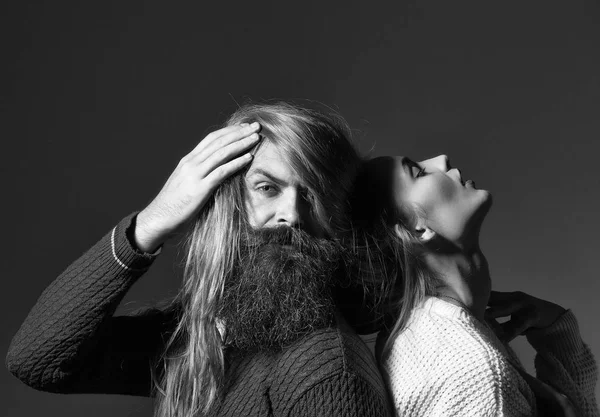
[447, 363]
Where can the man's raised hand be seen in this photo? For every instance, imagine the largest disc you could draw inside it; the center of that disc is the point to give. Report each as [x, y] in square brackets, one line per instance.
[526, 312]
[198, 174]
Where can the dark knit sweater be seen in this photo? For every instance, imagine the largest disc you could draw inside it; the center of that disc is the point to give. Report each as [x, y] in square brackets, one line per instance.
[72, 343]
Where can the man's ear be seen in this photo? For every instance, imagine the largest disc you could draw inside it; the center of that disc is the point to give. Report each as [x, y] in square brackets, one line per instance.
[424, 232]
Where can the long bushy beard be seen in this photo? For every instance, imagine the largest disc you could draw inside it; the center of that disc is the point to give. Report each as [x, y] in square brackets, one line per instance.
[281, 288]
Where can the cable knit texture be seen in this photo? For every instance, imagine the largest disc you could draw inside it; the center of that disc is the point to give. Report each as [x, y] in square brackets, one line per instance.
[447, 363]
[71, 343]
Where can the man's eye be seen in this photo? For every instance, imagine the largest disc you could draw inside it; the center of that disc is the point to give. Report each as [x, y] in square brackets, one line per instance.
[266, 188]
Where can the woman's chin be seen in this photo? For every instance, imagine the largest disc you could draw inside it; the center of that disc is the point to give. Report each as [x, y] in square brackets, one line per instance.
[485, 203]
[485, 198]
[488, 198]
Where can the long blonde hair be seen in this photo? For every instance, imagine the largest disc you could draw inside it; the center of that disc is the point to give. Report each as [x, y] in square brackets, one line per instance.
[390, 254]
[317, 147]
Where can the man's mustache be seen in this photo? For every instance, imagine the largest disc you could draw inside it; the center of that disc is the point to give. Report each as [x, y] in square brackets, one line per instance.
[293, 239]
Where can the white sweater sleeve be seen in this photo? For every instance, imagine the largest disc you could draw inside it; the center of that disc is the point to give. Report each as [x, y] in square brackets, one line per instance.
[443, 365]
[481, 388]
[492, 397]
[565, 362]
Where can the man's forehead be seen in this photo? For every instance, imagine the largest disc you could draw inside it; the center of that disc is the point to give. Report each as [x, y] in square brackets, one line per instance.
[270, 161]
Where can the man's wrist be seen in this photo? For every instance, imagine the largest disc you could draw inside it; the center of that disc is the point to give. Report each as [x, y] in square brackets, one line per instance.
[551, 313]
[141, 239]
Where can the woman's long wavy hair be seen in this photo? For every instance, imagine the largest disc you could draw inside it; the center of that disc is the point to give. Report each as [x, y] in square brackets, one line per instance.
[318, 148]
[390, 254]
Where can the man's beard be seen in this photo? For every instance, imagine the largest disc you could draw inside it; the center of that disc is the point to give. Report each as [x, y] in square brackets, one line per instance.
[280, 289]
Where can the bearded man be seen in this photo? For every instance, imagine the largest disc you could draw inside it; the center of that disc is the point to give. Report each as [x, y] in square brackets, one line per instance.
[256, 328]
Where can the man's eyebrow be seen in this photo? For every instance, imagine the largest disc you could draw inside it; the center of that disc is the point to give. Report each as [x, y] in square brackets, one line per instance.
[260, 171]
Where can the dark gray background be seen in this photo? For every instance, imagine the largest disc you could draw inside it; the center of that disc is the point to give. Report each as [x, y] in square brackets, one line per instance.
[100, 101]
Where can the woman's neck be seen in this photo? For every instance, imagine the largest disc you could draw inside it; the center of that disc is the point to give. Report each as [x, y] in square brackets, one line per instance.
[465, 278]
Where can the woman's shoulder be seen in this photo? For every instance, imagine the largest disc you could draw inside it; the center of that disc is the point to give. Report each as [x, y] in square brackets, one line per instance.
[438, 320]
[445, 353]
[442, 333]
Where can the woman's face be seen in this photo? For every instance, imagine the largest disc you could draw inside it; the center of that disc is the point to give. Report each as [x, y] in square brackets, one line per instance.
[447, 205]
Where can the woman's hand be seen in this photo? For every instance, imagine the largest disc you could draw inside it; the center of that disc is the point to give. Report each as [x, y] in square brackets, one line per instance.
[526, 312]
[189, 187]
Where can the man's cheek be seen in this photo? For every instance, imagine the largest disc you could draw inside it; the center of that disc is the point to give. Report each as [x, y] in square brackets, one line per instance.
[258, 215]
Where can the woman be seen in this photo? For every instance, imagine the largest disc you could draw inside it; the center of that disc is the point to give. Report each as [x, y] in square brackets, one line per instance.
[442, 352]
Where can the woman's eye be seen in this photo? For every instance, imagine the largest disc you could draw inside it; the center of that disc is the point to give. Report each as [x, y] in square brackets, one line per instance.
[420, 172]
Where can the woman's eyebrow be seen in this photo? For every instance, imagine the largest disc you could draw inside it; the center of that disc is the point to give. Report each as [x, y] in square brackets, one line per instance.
[407, 164]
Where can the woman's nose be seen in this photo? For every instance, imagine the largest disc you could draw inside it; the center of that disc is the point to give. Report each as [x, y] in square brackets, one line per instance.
[444, 162]
[440, 163]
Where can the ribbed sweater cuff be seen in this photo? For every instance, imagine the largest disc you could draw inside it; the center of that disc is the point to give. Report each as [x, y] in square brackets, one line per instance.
[562, 335]
[123, 249]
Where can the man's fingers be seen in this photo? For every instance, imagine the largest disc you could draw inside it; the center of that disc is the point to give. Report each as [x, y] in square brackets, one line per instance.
[219, 174]
[503, 304]
[499, 297]
[223, 141]
[502, 310]
[211, 137]
[226, 154]
[516, 326]
[511, 330]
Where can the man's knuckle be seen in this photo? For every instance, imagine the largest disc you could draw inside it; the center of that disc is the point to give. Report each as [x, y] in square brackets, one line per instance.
[220, 153]
[184, 160]
[211, 135]
[184, 167]
[220, 171]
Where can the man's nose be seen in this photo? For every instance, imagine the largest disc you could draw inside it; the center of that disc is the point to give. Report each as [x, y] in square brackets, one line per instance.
[289, 210]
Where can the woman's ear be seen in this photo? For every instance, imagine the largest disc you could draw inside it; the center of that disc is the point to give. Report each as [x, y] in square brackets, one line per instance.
[423, 232]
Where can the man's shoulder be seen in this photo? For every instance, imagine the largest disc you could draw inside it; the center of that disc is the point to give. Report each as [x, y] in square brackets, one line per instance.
[324, 365]
[328, 352]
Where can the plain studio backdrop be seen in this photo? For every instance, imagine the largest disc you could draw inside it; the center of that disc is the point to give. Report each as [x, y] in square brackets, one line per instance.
[101, 100]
